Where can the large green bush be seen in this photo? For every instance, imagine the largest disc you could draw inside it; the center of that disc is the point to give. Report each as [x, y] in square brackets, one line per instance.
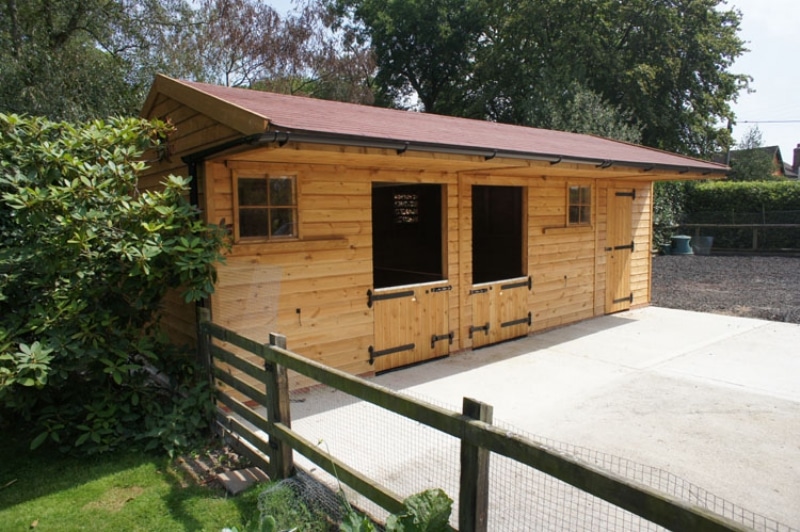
[85, 260]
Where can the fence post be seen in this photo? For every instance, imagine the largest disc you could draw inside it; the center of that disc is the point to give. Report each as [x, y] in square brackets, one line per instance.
[473, 496]
[278, 411]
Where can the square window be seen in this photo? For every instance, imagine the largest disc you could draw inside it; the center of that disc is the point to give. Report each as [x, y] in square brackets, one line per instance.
[265, 207]
[579, 207]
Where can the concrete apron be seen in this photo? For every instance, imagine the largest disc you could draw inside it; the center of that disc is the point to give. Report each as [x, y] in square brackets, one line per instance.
[713, 399]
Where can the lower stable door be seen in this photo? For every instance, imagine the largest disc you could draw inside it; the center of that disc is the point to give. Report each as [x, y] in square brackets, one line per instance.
[499, 293]
[411, 325]
[499, 311]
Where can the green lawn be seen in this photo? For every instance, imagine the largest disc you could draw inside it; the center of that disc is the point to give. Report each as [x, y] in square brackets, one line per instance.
[44, 490]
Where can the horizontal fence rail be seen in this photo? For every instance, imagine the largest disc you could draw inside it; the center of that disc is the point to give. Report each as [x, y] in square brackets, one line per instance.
[477, 437]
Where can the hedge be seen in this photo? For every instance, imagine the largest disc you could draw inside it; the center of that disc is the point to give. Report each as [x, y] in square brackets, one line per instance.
[746, 202]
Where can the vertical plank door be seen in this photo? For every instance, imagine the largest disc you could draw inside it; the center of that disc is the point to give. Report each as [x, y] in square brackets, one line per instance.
[499, 311]
[619, 248]
[411, 325]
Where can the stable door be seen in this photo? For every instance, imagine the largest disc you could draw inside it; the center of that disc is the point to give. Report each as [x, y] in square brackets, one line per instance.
[410, 297]
[411, 325]
[619, 249]
[499, 292]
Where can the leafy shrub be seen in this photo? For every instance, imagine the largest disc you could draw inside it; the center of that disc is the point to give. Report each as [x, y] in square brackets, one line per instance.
[85, 260]
[743, 197]
[669, 208]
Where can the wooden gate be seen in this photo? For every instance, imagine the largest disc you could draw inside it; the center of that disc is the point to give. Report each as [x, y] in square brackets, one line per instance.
[411, 324]
[499, 311]
[619, 248]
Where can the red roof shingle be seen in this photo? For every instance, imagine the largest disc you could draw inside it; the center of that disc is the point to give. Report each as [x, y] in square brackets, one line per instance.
[308, 115]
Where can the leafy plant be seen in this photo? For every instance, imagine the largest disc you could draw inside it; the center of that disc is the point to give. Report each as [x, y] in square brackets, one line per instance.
[428, 511]
[669, 208]
[85, 260]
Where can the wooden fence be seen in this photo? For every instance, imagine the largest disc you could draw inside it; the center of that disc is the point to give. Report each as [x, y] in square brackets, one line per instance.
[472, 426]
[755, 228]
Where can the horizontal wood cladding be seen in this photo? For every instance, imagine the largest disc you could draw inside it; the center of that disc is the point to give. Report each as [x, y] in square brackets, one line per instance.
[561, 258]
[313, 289]
[178, 319]
[194, 132]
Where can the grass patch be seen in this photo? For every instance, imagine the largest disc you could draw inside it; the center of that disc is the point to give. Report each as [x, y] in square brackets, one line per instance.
[45, 490]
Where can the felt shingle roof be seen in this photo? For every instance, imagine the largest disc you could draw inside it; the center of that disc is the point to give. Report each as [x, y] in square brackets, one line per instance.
[281, 112]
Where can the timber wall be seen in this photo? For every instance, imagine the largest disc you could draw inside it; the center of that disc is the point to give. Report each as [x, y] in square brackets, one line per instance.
[313, 290]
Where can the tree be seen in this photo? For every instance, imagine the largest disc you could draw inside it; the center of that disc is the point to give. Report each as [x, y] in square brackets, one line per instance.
[93, 58]
[670, 68]
[423, 48]
[664, 64]
[85, 260]
[752, 162]
[97, 58]
[583, 111]
[247, 43]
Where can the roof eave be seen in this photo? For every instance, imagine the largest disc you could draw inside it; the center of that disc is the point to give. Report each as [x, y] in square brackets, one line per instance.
[236, 117]
[282, 136]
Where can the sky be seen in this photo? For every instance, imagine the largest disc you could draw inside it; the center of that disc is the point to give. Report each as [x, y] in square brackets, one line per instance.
[771, 30]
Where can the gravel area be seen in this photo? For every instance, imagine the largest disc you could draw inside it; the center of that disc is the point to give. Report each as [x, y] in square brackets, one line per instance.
[761, 287]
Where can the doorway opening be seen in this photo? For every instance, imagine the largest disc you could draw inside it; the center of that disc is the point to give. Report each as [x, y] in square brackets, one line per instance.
[407, 227]
[497, 233]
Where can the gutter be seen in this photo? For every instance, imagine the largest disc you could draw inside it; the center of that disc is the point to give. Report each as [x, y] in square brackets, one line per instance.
[282, 137]
[193, 159]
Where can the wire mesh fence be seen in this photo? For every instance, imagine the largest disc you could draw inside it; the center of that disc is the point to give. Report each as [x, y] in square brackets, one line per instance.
[757, 230]
[408, 457]
[744, 217]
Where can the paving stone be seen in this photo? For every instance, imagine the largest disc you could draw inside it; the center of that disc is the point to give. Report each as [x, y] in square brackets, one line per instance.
[236, 482]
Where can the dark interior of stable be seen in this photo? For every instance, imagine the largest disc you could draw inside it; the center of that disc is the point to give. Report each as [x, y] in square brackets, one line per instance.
[497, 222]
[406, 234]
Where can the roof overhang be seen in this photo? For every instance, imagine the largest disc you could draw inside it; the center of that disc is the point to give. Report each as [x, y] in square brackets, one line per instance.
[258, 131]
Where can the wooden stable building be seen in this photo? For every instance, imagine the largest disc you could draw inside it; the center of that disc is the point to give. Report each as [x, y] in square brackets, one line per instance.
[376, 238]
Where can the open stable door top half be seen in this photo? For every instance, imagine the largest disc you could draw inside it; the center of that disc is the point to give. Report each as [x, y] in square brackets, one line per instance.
[374, 238]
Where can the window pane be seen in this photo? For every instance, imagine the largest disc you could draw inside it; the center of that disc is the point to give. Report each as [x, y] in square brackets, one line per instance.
[252, 191]
[281, 190]
[574, 214]
[574, 195]
[586, 195]
[253, 222]
[585, 215]
[282, 221]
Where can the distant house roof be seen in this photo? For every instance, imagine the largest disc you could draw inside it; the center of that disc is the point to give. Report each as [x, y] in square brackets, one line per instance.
[774, 153]
[788, 171]
[254, 112]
